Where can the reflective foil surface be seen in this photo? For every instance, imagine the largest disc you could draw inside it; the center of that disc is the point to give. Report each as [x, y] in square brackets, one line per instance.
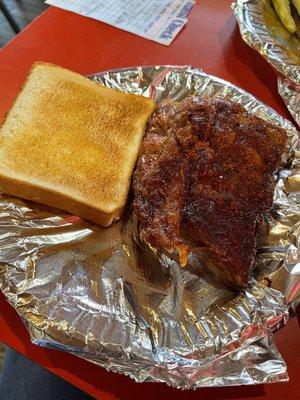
[262, 29]
[80, 288]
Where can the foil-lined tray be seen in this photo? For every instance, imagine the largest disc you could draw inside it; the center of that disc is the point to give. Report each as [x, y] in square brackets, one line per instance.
[262, 29]
[80, 288]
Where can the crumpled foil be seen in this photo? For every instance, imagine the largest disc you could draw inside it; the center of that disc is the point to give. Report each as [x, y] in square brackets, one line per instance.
[262, 29]
[79, 287]
[290, 94]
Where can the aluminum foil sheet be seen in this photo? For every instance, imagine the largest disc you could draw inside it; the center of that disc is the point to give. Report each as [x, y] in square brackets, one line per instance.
[80, 288]
[262, 29]
[290, 93]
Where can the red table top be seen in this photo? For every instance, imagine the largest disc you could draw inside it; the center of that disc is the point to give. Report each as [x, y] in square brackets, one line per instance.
[211, 41]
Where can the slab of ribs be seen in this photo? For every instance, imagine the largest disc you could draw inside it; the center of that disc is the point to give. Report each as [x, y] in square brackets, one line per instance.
[203, 182]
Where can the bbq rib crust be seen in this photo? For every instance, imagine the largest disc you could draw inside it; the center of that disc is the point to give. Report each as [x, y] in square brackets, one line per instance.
[204, 178]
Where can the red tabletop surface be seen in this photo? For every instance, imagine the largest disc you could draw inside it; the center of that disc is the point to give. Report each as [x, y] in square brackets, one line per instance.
[211, 41]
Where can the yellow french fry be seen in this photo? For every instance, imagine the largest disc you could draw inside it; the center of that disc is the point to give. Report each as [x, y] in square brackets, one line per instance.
[297, 5]
[283, 10]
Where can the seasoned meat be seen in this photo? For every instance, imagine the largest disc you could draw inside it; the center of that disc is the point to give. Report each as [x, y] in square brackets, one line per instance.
[204, 178]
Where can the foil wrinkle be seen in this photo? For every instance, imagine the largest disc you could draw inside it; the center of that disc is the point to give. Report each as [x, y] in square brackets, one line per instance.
[262, 30]
[80, 288]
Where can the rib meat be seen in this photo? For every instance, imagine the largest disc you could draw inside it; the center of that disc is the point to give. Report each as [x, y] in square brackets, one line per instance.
[204, 178]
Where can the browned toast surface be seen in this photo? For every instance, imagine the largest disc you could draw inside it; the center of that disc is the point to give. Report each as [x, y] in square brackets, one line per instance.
[68, 138]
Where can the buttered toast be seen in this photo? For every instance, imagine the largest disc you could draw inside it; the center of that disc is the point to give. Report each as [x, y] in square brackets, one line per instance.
[71, 143]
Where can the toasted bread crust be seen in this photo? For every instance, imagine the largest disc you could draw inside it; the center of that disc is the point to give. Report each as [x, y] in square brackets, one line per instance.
[70, 143]
[28, 191]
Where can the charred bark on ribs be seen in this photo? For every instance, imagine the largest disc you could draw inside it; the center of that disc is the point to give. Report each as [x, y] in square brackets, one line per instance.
[204, 178]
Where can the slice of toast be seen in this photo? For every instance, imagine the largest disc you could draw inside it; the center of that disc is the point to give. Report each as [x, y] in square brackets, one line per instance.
[71, 143]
